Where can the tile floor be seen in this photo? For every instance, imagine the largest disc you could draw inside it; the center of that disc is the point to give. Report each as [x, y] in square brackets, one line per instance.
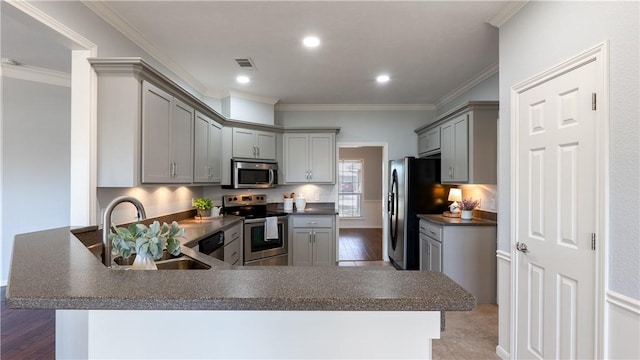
[469, 334]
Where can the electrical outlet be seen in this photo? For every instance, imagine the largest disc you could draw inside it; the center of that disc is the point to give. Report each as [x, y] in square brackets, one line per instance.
[317, 197]
[492, 204]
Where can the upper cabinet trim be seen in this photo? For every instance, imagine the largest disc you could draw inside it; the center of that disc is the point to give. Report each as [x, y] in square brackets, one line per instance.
[471, 105]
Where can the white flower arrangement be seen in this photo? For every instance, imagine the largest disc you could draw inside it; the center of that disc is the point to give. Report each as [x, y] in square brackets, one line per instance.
[148, 241]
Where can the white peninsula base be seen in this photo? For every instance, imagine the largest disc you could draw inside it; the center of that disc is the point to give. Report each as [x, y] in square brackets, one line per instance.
[195, 334]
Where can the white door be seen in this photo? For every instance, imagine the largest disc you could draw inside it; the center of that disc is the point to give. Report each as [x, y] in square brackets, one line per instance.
[555, 214]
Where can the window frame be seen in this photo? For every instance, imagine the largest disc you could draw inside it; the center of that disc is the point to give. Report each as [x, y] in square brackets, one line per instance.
[360, 194]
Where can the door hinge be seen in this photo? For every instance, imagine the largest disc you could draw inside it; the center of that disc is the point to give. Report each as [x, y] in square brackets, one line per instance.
[593, 241]
[593, 101]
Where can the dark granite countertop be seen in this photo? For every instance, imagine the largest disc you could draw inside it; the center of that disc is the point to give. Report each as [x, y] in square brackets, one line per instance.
[52, 269]
[443, 220]
[310, 209]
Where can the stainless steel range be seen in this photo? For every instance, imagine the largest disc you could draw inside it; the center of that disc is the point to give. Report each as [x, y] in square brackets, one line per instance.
[258, 250]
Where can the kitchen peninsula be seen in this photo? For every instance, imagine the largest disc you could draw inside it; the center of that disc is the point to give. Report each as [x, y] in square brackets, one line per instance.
[281, 312]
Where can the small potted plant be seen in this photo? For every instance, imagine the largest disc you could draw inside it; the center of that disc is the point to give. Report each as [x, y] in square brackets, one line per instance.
[467, 208]
[203, 205]
[149, 242]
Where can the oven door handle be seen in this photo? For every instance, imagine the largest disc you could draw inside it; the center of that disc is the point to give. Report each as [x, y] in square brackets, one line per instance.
[254, 221]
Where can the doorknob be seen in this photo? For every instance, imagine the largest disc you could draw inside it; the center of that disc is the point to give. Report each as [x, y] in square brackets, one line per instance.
[522, 247]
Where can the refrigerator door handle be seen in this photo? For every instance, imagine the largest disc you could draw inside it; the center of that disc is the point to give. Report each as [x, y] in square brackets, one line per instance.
[390, 205]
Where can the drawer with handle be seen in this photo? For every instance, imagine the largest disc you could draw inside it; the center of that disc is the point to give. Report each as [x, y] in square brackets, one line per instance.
[310, 221]
[431, 230]
[232, 233]
[232, 252]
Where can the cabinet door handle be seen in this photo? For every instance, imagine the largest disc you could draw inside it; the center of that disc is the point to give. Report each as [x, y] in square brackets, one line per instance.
[173, 169]
[258, 150]
[310, 174]
[432, 232]
[310, 235]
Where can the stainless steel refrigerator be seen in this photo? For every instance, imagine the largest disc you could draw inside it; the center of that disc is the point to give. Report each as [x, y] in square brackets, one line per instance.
[414, 189]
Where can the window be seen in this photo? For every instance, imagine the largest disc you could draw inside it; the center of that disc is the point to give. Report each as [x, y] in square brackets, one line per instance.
[350, 188]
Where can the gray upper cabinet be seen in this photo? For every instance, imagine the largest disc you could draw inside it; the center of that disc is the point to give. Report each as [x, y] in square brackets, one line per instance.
[167, 131]
[309, 158]
[146, 128]
[466, 139]
[207, 157]
[254, 144]
[429, 142]
[455, 151]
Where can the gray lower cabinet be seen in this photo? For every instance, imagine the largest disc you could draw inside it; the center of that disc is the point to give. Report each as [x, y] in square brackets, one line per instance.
[233, 245]
[466, 254]
[312, 240]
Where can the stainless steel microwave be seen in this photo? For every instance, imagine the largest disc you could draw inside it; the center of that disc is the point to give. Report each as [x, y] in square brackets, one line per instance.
[253, 174]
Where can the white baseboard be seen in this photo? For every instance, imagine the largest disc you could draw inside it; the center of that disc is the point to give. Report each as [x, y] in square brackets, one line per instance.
[622, 327]
[503, 260]
[358, 226]
[629, 304]
[502, 353]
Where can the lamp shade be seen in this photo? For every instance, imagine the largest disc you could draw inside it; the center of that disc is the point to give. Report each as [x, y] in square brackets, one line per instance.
[455, 194]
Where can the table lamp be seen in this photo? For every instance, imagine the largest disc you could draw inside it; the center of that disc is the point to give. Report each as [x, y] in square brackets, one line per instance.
[455, 195]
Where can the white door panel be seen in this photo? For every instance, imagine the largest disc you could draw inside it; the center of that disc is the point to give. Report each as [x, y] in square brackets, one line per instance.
[556, 216]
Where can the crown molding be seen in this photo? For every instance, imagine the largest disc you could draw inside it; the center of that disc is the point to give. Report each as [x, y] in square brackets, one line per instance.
[506, 12]
[354, 107]
[111, 17]
[484, 75]
[240, 94]
[54, 24]
[36, 74]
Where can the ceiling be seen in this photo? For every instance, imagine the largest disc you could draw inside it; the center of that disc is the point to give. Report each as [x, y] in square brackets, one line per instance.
[429, 49]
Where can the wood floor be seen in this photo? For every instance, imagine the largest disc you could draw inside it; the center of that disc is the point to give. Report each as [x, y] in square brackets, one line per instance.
[360, 245]
[27, 334]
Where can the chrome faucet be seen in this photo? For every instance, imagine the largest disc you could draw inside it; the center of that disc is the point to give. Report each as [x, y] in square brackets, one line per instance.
[106, 224]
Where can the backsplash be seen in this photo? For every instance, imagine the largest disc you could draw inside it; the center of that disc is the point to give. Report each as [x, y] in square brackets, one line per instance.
[313, 193]
[486, 193]
[157, 201]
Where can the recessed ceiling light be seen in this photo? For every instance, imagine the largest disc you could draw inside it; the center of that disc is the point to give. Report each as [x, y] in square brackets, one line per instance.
[243, 79]
[383, 78]
[311, 41]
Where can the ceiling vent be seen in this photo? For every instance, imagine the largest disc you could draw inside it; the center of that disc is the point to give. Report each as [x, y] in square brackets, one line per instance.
[246, 63]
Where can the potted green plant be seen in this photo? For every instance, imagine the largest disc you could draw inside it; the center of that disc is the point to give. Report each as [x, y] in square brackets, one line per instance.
[203, 205]
[149, 242]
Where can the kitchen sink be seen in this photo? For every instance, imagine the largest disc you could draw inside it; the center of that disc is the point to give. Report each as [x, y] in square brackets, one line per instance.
[166, 262]
[91, 238]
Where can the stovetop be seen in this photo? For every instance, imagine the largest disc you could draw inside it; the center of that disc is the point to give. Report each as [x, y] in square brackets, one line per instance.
[250, 206]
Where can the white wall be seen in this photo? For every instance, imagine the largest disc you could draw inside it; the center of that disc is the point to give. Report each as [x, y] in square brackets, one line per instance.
[239, 108]
[110, 42]
[394, 127]
[487, 90]
[36, 153]
[539, 36]
[544, 34]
